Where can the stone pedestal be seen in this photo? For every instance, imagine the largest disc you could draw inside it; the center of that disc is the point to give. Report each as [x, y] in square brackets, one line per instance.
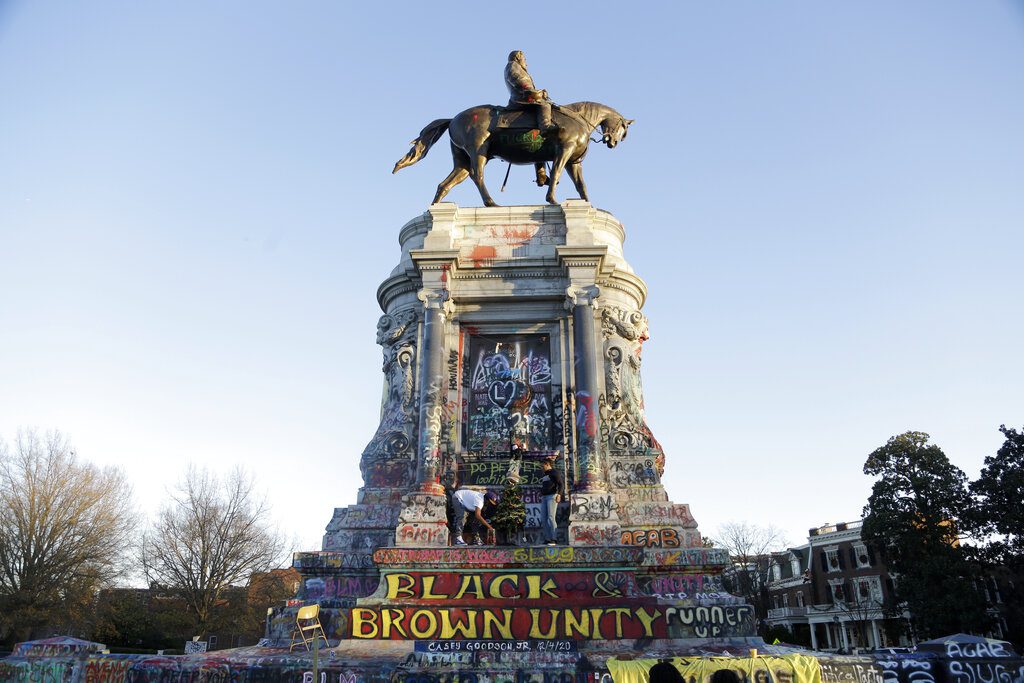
[516, 330]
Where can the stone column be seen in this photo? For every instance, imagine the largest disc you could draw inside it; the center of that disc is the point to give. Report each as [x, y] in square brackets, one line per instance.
[587, 419]
[431, 393]
[814, 635]
[422, 520]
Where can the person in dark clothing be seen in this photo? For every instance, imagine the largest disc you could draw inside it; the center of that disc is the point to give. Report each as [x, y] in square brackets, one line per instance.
[551, 493]
[664, 672]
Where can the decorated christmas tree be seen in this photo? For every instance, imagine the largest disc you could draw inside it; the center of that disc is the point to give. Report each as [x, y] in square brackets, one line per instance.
[510, 514]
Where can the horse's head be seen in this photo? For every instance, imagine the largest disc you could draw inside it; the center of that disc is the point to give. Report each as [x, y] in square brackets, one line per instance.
[614, 130]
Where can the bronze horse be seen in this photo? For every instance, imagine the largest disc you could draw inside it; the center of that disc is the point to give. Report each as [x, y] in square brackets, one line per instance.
[477, 137]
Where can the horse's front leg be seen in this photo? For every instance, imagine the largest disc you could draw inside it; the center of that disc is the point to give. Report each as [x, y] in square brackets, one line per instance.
[575, 171]
[556, 172]
[477, 173]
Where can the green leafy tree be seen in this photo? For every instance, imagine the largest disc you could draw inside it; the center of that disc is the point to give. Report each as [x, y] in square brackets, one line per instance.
[914, 516]
[999, 513]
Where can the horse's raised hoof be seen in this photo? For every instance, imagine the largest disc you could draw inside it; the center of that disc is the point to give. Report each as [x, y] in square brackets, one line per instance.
[542, 179]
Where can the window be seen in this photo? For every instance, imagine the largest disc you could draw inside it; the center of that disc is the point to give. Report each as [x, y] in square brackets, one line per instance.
[867, 590]
[794, 566]
[799, 598]
[837, 591]
[776, 572]
[785, 599]
[833, 562]
[861, 557]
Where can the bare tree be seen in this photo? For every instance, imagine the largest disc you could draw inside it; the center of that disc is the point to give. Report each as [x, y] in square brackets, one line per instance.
[65, 526]
[213, 533]
[750, 547]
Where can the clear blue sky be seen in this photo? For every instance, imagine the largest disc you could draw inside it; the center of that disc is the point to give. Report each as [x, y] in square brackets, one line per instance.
[825, 199]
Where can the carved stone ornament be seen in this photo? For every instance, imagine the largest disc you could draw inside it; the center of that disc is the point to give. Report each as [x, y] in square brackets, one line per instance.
[395, 436]
[581, 296]
[623, 426]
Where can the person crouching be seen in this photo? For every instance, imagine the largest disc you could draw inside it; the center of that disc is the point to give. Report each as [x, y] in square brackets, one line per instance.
[466, 501]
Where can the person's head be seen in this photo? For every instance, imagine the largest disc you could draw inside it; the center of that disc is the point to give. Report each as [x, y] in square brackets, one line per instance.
[491, 498]
[548, 464]
[517, 56]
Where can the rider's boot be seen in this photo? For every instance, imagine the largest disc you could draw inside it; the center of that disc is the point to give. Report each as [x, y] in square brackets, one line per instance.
[546, 124]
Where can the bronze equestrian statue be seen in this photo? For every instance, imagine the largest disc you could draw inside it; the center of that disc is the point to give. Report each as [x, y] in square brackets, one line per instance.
[482, 133]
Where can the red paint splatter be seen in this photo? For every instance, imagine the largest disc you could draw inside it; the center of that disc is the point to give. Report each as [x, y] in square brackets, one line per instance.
[481, 254]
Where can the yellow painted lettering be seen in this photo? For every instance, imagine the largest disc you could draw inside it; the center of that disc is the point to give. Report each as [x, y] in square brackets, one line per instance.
[595, 622]
[400, 586]
[495, 589]
[428, 586]
[470, 583]
[577, 622]
[534, 587]
[618, 612]
[504, 625]
[414, 623]
[535, 631]
[648, 619]
[364, 623]
[451, 627]
[392, 618]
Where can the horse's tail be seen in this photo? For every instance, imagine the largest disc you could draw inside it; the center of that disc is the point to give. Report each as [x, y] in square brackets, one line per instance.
[422, 144]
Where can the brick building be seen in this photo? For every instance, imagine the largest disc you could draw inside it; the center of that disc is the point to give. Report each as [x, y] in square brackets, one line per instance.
[830, 591]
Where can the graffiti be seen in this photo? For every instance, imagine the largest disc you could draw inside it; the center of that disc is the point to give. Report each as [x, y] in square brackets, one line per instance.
[594, 535]
[629, 472]
[851, 672]
[509, 394]
[389, 473]
[593, 508]
[490, 556]
[453, 370]
[327, 560]
[493, 586]
[558, 418]
[651, 538]
[518, 623]
[715, 621]
[674, 514]
[430, 455]
[994, 649]
[423, 508]
[682, 586]
[687, 557]
[363, 517]
[586, 418]
[396, 334]
[491, 472]
[650, 494]
[106, 670]
[967, 671]
[364, 540]
[317, 587]
[906, 670]
[427, 533]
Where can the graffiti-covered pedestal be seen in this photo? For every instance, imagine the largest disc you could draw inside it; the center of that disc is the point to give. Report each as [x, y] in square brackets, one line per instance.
[506, 331]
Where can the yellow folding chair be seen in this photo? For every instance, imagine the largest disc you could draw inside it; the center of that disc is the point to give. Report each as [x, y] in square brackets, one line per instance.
[307, 628]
